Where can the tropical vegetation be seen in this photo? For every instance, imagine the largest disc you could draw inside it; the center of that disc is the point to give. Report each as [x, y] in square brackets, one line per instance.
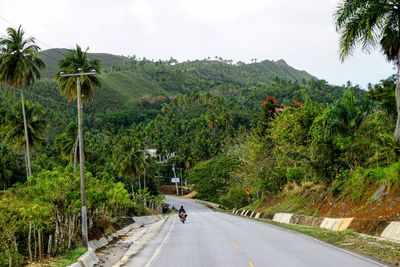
[240, 134]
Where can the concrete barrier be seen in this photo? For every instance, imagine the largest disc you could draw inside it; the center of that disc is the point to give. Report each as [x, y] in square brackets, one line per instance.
[306, 220]
[344, 224]
[282, 217]
[384, 229]
[338, 224]
[233, 211]
[328, 223]
[89, 258]
[392, 231]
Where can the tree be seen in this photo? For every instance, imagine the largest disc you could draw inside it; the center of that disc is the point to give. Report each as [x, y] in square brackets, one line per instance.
[371, 23]
[20, 68]
[67, 144]
[35, 123]
[383, 94]
[10, 166]
[129, 158]
[76, 63]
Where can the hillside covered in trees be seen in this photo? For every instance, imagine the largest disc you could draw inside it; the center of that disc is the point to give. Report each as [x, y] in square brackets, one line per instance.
[231, 127]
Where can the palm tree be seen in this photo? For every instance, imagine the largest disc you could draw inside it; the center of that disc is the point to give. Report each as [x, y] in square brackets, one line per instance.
[80, 85]
[345, 116]
[371, 23]
[67, 144]
[36, 126]
[129, 158]
[20, 68]
[77, 61]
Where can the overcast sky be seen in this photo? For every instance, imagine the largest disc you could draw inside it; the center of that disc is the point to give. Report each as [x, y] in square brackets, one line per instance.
[300, 32]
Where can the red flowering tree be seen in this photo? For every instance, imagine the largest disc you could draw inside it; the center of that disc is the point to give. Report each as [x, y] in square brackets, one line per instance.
[270, 104]
[269, 108]
[297, 103]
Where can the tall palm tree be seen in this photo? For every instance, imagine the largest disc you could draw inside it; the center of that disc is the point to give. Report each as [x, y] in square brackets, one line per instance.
[36, 126]
[76, 63]
[129, 158]
[371, 23]
[20, 68]
[77, 60]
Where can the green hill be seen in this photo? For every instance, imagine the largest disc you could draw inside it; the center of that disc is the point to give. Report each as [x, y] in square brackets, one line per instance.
[130, 84]
[125, 80]
[51, 57]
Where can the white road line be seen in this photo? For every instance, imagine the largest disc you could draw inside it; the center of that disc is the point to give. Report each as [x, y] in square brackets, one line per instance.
[162, 244]
[307, 236]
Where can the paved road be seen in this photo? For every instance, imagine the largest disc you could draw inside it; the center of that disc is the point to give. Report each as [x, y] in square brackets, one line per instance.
[211, 238]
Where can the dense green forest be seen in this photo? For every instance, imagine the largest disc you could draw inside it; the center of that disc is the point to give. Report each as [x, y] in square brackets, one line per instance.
[230, 126]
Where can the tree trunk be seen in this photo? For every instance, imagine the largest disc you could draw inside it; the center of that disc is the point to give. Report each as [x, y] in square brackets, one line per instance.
[40, 245]
[49, 247]
[56, 237]
[35, 244]
[71, 224]
[82, 164]
[76, 152]
[133, 191]
[27, 154]
[29, 241]
[397, 131]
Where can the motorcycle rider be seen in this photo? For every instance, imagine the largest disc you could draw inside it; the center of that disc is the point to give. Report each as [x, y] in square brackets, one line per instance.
[182, 210]
[182, 214]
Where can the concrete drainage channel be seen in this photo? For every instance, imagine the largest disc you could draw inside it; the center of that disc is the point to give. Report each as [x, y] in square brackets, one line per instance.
[118, 248]
[389, 230]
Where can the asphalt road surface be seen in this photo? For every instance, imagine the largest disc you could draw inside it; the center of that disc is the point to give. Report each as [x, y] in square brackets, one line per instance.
[211, 238]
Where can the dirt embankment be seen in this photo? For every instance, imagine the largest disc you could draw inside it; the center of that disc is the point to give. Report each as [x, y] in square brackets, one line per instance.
[379, 203]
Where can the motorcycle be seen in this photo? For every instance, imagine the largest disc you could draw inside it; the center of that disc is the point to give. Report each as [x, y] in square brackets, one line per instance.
[182, 216]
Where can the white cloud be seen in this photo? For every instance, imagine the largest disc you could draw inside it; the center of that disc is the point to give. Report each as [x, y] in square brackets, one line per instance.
[301, 32]
[143, 10]
[218, 10]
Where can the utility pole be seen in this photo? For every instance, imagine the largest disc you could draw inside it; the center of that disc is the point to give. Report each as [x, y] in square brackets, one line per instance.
[85, 237]
[144, 167]
[180, 170]
[176, 182]
[144, 174]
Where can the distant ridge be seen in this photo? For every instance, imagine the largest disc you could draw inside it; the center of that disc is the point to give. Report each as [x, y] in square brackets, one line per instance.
[126, 80]
[51, 57]
[270, 69]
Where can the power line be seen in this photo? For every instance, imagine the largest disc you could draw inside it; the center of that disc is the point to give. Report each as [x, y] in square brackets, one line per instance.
[49, 99]
[48, 46]
[39, 96]
[44, 54]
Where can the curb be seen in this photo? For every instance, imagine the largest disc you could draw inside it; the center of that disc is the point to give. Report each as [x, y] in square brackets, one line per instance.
[89, 258]
[140, 240]
[389, 230]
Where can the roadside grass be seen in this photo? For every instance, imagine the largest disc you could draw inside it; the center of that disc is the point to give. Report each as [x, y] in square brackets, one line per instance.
[71, 257]
[291, 203]
[381, 250]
